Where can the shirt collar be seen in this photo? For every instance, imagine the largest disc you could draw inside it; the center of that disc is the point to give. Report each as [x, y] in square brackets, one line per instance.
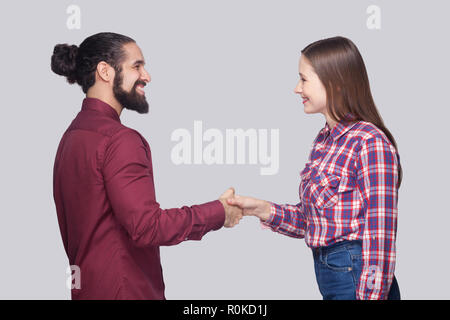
[97, 105]
[341, 128]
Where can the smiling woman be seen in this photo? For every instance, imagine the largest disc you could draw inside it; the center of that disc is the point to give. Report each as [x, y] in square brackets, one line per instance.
[348, 190]
[311, 89]
[338, 71]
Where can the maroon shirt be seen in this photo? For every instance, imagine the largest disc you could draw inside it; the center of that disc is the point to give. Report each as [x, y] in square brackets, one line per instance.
[110, 222]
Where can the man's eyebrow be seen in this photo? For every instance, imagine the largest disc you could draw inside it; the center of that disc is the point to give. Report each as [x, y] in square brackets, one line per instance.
[142, 62]
[302, 75]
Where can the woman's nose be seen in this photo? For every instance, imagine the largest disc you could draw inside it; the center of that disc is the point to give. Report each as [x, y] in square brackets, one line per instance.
[298, 89]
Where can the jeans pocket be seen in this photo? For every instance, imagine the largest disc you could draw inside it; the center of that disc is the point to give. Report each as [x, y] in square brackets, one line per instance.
[339, 261]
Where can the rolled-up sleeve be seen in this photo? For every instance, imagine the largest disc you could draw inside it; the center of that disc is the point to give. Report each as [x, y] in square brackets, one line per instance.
[128, 177]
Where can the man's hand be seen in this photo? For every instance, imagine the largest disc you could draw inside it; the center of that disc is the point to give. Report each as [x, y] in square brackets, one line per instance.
[252, 206]
[232, 213]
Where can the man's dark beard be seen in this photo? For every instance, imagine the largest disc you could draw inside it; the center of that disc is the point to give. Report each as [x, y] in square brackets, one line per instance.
[130, 100]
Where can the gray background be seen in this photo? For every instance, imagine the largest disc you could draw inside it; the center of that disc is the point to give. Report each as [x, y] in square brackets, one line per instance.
[231, 64]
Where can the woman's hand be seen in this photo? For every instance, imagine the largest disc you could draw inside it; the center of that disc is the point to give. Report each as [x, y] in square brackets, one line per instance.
[251, 206]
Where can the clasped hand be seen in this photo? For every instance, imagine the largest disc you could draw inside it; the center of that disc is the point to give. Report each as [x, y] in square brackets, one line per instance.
[238, 206]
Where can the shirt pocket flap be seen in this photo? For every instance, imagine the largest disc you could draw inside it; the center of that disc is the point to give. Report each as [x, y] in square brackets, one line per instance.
[329, 187]
[347, 183]
[341, 183]
[326, 180]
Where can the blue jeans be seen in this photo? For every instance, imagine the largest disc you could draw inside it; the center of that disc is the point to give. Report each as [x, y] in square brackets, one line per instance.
[338, 268]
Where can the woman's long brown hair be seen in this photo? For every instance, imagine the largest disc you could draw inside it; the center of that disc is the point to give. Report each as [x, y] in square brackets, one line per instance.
[340, 67]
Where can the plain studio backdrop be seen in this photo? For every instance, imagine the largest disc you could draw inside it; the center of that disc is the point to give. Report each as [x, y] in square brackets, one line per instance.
[229, 64]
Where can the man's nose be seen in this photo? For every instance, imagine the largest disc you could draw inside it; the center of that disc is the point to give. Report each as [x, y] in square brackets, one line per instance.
[146, 76]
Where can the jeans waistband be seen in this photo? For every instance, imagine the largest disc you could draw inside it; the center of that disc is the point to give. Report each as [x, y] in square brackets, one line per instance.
[335, 247]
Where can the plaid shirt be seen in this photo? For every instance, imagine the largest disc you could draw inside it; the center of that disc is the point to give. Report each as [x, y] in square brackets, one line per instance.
[348, 191]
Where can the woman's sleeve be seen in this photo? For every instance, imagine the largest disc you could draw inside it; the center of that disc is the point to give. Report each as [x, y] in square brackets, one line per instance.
[287, 219]
[377, 166]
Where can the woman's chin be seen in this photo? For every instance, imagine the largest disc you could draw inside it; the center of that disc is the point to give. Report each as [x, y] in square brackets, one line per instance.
[308, 110]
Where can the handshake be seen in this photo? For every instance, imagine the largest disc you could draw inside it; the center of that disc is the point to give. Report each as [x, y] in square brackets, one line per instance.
[238, 206]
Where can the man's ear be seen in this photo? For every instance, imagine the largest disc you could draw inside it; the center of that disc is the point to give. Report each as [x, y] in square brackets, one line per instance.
[105, 71]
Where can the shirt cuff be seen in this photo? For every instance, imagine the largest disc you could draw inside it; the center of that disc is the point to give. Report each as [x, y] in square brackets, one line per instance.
[214, 214]
[274, 220]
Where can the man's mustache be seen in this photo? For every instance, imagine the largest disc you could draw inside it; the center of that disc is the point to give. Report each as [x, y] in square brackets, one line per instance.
[143, 83]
